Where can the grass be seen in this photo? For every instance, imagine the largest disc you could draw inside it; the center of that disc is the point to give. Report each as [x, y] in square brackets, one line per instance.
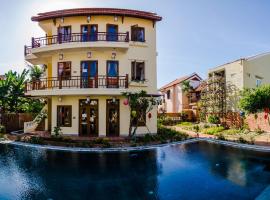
[213, 130]
[185, 124]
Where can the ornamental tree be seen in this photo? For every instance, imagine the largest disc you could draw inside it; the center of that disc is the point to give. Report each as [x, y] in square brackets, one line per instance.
[140, 104]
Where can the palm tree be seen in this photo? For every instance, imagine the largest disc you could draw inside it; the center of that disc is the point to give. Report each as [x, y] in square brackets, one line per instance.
[36, 72]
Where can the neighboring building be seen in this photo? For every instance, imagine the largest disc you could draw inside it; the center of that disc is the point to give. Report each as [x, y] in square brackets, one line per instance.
[249, 72]
[2, 77]
[175, 100]
[92, 56]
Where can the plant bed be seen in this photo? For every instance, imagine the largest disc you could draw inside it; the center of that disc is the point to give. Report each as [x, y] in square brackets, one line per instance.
[164, 135]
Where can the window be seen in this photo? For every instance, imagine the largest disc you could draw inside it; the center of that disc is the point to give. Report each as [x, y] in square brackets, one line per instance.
[258, 81]
[64, 70]
[64, 116]
[140, 119]
[137, 34]
[137, 71]
[64, 33]
[168, 94]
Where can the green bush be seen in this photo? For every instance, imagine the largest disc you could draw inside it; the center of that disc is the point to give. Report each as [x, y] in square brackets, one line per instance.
[213, 130]
[36, 140]
[220, 136]
[233, 131]
[2, 129]
[57, 131]
[255, 99]
[196, 128]
[242, 140]
[213, 119]
[102, 141]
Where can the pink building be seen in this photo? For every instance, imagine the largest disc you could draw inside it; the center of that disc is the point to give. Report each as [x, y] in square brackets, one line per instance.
[175, 100]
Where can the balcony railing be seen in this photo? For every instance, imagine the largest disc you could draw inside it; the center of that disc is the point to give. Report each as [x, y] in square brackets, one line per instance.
[73, 82]
[76, 37]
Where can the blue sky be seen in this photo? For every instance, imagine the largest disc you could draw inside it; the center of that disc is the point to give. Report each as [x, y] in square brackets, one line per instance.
[195, 35]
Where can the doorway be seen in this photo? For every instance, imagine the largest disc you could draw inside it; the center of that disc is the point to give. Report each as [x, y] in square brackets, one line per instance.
[112, 118]
[88, 117]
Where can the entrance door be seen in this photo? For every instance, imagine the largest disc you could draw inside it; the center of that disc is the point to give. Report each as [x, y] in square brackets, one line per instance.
[88, 118]
[112, 74]
[112, 32]
[89, 70]
[112, 118]
[89, 32]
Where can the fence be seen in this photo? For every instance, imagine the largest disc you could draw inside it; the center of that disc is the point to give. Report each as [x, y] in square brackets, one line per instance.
[15, 121]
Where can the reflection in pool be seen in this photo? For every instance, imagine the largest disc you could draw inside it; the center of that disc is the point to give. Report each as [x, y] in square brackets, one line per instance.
[190, 171]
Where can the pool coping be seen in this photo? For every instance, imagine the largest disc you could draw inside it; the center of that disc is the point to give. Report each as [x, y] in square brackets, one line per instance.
[139, 148]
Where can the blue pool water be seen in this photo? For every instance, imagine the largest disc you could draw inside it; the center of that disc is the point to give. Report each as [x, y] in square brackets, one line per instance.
[189, 171]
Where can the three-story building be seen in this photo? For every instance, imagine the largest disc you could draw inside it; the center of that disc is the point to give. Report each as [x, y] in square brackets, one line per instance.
[92, 56]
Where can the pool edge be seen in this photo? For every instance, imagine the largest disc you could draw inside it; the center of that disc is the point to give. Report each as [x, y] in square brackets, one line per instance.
[139, 148]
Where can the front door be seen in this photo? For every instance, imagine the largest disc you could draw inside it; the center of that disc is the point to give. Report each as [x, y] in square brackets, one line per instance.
[112, 32]
[112, 74]
[89, 70]
[112, 118]
[88, 117]
[89, 32]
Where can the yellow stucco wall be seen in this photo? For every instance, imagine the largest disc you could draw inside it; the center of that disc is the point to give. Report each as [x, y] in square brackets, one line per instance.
[101, 51]
[124, 115]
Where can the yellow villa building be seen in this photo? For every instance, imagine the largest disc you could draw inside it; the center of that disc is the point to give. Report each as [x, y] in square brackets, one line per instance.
[92, 56]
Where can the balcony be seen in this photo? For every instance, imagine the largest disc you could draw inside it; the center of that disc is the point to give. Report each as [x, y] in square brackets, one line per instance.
[73, 85]
[96, 39]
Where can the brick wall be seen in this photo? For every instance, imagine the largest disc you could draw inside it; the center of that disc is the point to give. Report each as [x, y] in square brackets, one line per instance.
[259, 123]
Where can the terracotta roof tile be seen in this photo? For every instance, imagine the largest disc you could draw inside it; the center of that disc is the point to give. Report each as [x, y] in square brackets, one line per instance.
[177, 81]
[96, 11]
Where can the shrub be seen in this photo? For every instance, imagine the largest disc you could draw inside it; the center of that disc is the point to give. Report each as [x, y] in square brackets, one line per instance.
[242, 140]
[2, 129]
[259, 130]
[57, 131]
[213, 119]
[233, 131]
[196, 128]
[169, 134]
[220, 136]
[102, 141]
[213, 130]
[36, 140]
[255, 99]
[185, 124]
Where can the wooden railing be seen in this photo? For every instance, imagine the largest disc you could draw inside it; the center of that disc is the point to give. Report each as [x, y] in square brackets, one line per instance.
[76, 37]
[101, 81]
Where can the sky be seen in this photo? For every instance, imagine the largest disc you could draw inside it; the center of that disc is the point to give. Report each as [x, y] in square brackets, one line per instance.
[194, 35]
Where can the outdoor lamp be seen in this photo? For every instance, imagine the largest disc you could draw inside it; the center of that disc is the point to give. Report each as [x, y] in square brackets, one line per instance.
[88, 99]
[61, 56]
[88, 18]
[115, 18]
[113, 55]
[60, 99]
[62, 20]
[89, 54]
[113, 100]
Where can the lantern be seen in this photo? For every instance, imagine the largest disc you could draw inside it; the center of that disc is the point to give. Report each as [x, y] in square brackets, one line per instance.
[133, 113]
[149, 115]
[125, 102]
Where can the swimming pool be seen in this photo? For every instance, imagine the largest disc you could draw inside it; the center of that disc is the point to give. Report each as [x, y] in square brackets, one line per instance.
[198, 170]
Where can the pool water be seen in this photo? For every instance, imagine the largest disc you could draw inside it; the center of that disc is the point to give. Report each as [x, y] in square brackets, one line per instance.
[198, 170]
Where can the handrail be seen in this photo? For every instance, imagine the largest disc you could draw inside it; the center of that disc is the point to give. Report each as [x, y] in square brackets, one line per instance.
[76, 37]
[99, 81]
